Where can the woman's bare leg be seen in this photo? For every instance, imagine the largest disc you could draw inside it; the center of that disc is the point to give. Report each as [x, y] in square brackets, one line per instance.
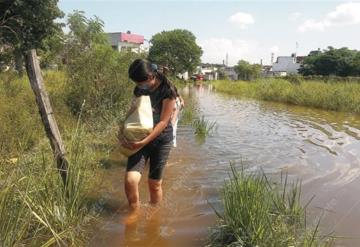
[155, 191]
[132, 180]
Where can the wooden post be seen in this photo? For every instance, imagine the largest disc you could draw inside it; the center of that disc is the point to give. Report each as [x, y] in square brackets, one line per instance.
[46, 112]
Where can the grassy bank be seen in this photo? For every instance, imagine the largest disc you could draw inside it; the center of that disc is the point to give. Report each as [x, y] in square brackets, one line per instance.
[21, 127]
[337, 96]
[35, 208]
[257, 212]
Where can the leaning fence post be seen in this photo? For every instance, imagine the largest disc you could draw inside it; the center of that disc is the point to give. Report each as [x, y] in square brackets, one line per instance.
[46, 112]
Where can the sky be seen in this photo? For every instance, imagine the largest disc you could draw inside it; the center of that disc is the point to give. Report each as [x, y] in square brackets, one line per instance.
[248, 30]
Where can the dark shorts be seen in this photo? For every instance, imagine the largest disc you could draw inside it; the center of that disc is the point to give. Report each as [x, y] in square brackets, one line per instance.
[156, 153]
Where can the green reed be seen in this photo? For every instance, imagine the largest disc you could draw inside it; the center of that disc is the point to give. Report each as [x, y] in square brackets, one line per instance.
[337, 96]
[203, 127]
[35, 207]
[257, 212]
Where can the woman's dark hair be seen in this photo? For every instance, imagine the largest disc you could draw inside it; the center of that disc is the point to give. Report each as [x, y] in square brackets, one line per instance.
[140, 69]
[176, 91]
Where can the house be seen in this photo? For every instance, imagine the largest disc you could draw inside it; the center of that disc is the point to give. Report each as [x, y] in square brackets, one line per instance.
[231, 73]
[266, 71]
[126, 41]
[183, 76]
[286, 65]
[210, 72]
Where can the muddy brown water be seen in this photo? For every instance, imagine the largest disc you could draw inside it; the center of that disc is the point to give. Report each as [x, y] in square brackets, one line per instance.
[322, 148]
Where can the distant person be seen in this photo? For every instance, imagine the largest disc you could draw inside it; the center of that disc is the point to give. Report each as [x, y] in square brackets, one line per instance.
[179, 106]
[156, 147]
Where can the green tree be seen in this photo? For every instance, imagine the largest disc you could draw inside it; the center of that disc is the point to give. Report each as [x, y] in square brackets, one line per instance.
[331, 61]
[26, 23]
[177, 49]
[85, 31]
[222, 74]
[308, 66]
[6, 57]
[52, 50]
[84, 34]
[356, 64]
[247, 71]
[103, 83]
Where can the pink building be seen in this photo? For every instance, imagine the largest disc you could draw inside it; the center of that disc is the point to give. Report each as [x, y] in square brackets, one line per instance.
[126, 41]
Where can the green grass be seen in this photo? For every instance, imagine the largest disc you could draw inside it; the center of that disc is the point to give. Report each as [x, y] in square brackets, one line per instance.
[35, 208]
[336, 96]
[18, 116]
[21, 128]
[257, 212]
[14, 223]
[203, 127]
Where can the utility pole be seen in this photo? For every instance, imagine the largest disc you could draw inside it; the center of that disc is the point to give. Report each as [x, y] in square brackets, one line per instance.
[296, 50]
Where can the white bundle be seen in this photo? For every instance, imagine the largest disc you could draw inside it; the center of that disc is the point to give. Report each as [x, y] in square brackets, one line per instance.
[138, 124]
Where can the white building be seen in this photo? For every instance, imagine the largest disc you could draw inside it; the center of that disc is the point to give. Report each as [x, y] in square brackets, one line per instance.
[208, 71]
[183, 76]
[286, 65]
[210, 74]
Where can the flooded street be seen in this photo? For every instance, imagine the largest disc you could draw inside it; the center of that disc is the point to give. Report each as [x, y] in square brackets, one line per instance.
[320, 148]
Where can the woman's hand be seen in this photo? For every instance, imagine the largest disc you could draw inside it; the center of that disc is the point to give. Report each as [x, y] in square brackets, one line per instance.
[130, 145]
[136, 145]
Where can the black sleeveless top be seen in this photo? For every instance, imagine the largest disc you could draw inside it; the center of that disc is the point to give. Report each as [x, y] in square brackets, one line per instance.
[163, 91]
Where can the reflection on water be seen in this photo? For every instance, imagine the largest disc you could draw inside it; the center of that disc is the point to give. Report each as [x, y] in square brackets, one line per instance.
[322, 148]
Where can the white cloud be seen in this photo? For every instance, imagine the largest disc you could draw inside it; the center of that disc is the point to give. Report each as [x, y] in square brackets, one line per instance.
[215, 50]
[313, 25]
[345, 14]
[241, 19]
[294, 16]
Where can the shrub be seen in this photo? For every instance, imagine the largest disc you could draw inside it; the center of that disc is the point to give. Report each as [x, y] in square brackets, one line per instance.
[20, 122]
[99, 77]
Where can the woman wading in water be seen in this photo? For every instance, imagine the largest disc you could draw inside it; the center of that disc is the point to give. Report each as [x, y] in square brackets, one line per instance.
[156, 147]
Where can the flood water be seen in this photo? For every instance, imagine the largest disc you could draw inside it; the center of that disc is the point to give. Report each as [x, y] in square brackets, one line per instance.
[321, 148]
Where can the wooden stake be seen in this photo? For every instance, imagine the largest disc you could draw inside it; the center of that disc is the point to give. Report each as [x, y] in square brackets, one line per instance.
[46, 112]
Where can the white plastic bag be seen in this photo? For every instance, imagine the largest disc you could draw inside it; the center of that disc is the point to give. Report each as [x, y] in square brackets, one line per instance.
[138, 124]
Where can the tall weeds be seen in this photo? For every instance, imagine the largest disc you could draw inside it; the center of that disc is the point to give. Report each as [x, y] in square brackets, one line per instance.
[337, 96]
[257, 212]
[37, 210]
[14, 216]
[203, 127]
